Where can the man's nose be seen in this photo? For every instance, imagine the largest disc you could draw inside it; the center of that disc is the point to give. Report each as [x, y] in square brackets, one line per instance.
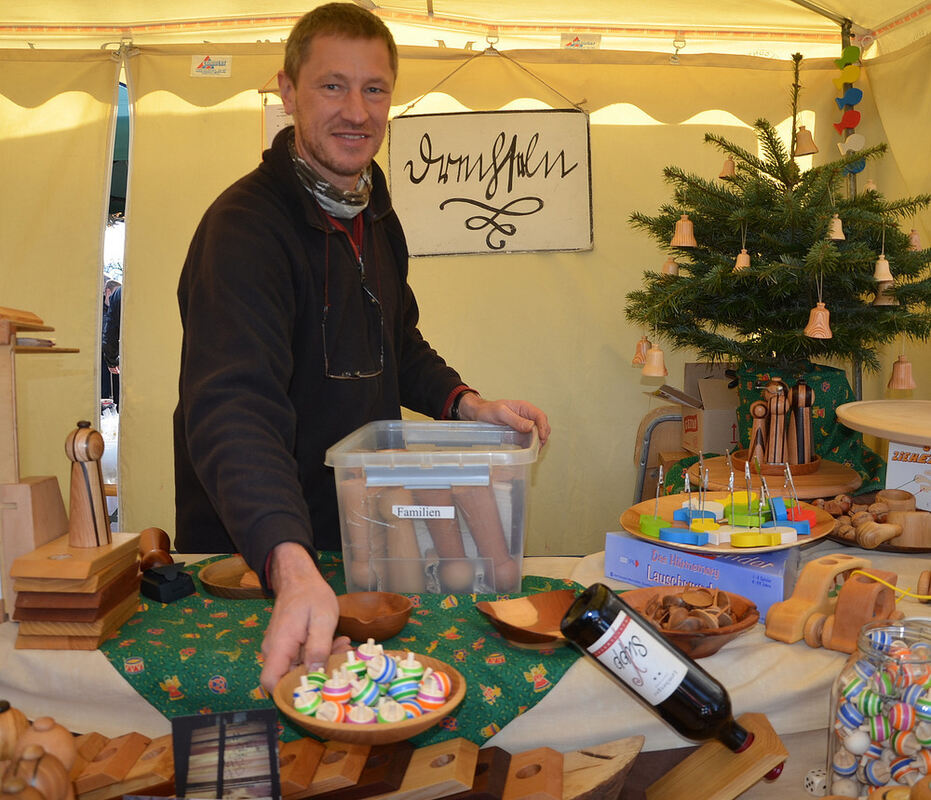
[354, 108]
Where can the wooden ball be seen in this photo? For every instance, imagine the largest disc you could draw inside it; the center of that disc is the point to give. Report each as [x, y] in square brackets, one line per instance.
[84, 443]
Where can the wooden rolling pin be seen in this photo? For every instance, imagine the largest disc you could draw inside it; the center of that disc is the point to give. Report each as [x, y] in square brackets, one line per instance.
[480, 511]
[366, 532]
[405, 561]
[457, 573]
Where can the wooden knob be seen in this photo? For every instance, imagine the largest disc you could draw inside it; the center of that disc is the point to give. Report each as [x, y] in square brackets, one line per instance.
[155, 558]
[84, 443]
[54, 738]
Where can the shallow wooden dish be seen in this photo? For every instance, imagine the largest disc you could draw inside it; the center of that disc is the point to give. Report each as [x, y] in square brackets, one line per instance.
[224, 578]
[372, 615]
[376, 733]
[706, 641]
[530, 622]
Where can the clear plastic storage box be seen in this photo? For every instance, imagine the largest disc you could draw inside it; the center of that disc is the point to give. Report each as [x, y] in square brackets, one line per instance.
[433, 506]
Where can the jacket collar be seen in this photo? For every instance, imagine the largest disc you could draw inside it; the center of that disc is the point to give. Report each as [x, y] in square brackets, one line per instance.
[278, 159]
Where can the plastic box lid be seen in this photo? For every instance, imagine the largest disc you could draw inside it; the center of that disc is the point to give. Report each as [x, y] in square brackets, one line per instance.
[407, 452]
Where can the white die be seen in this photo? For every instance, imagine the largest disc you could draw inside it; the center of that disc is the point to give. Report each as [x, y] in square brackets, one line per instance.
[816, 782]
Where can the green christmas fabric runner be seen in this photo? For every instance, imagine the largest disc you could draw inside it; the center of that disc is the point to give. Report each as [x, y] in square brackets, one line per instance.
[202, 654]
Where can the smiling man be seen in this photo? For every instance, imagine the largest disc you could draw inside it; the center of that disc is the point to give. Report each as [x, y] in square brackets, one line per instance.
[300, 327]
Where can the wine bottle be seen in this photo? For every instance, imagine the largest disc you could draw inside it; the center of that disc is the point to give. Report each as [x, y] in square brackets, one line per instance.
[630, 649]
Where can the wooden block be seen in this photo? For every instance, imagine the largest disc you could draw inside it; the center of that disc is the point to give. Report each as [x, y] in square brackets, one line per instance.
[383, 772]
[113, 763]
[916, 528]
[31, 514]
[78, 585]
[117, 588]
[713, 772]
[113, 618]
[535, 775]
[297, 762]
[598, 772]
[340, 766]
[73, 642]
[63, 609]
[153, 771]
[88, 745]
[58, 559]
[491, 774]
[437, 770]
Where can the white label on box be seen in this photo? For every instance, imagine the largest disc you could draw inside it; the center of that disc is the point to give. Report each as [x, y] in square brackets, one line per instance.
[424, 512]
[626, 649]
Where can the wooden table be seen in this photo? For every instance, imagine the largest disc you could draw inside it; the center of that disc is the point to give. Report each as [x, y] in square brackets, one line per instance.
[830, 480]
[902, 421]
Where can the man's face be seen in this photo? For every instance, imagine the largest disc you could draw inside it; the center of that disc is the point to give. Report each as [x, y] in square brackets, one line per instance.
[340, 105]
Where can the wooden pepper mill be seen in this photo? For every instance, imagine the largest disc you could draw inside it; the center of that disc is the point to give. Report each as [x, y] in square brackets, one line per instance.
[89, 522]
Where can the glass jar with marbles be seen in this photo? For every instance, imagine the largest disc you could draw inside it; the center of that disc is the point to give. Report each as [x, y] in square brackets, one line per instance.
[880, 728]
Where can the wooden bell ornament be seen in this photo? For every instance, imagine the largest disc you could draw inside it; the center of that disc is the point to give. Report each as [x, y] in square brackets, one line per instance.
[804, 142]
[670, 266]
[728, 170]
[836, 229]
[883, 298]
[914, 240]
[640, 353]
[684, 235]
[819, 323]
[89, 524]
[655, 365]
[902, 375]
[881, 272]
[743, 260]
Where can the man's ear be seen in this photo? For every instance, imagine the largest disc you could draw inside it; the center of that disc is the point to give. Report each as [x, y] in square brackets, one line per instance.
[287, 89]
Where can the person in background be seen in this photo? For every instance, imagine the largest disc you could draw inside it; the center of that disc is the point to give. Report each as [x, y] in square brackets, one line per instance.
[110, 373]
[300, 327]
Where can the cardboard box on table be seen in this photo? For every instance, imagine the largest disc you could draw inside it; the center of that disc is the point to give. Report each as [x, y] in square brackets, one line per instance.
[709, 420]
[763, 578]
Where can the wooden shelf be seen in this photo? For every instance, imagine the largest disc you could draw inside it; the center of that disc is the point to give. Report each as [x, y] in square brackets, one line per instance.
[25, 348]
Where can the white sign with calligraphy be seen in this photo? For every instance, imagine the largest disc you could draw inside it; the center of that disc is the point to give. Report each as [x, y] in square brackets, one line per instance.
[492, 182]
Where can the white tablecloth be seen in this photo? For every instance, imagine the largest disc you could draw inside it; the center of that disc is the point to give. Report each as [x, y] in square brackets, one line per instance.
[791, 684]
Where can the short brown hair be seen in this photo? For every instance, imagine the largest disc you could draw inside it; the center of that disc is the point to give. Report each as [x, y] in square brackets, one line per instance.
[335, 19]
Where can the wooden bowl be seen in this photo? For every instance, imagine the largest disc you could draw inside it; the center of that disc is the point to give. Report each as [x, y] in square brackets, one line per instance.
[373, 734]
[230, 578]
[705, 641]
[530, 622]
[372, 615]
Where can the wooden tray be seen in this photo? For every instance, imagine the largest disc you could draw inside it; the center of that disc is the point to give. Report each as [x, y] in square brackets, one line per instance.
[630, 520]
[223, 578]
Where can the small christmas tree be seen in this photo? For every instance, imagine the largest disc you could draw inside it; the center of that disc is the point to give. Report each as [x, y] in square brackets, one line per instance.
[782, 216]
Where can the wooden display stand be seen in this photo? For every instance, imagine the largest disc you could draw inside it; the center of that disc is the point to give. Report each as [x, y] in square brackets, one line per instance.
[31, 509]
[715, 773]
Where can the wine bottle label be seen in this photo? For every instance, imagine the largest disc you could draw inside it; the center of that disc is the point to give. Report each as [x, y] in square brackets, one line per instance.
[632, 653]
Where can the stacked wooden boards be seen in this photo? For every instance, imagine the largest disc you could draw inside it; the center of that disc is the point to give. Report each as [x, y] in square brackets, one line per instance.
[73, 598]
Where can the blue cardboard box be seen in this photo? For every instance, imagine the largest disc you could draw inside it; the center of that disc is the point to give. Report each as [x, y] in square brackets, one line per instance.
[764, 578]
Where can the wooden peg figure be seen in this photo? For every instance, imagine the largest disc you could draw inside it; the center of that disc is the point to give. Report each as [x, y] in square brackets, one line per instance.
[799, 447]
[778, 404]
[758, 432]
[89, 524]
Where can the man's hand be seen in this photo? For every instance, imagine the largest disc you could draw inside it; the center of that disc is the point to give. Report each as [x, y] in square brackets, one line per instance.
[517, 414]
[304, 616]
